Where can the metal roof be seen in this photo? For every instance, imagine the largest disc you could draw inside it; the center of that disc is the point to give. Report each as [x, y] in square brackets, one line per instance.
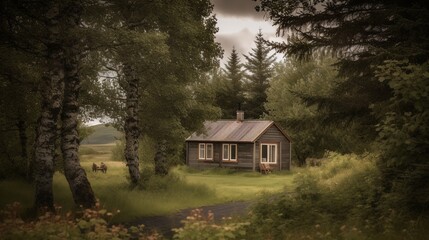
[232, 131]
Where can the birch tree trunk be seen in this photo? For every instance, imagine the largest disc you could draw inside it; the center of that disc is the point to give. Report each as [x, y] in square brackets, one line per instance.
[75, 174]
[131, 127]
[52, 88]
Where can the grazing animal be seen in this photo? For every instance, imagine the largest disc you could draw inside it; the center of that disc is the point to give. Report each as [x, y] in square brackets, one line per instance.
[102, 167]
[94, 167]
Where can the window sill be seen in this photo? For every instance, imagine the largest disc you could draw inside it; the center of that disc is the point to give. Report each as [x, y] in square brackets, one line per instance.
[230, 161]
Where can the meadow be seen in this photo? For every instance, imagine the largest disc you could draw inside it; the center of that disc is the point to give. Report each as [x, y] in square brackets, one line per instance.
[182, 188]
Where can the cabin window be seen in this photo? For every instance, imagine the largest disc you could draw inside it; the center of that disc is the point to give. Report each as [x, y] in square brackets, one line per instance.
[205, 151]
[202, 151]
[268, 153]
[209, 151]
[229, 152]
[225, 152]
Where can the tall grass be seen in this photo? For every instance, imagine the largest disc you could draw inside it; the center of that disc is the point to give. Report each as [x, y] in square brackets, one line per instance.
[342, 199]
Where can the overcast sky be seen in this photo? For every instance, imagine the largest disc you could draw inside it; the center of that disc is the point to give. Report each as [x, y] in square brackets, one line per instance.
[238, 24]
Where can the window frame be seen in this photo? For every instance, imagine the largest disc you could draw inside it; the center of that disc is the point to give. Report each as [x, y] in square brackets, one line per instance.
[223, 152]
[212, 150]
[236, 153]
[228, 151]
[203, 148]
[269, 152]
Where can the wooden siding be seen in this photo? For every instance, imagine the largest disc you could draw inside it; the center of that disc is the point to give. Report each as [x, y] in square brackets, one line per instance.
[245, 152]
[274, 135]
[244, 156]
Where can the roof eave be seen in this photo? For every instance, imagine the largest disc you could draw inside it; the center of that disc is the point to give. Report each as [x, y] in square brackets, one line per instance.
[217, 141]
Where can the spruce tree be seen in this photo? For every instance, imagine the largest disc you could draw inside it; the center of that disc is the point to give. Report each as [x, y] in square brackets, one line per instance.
[230, 92]
[259, 71]
[383, 49]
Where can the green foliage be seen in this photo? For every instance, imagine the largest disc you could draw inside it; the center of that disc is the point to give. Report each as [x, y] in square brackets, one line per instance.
[404, 133]
[86, 224]
[199, 226]
[229, 87]
[118, 151]
[342, 28]
[339, 200]
[293, 83]
[19, 107]
[99, 134]
[387, 101]
[152, 182]
[259, 71]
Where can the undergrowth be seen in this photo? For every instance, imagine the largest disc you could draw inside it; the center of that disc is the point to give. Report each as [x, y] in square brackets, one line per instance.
[84, 224]
[199, 225]
[342, 199]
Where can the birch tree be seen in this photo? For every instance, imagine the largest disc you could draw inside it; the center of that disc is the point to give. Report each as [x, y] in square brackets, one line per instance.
[73, 54]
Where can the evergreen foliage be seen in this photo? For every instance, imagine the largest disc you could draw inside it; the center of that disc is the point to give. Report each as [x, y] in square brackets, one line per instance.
[229, 91]
[382, 52]
[403, 135]
[259, 71]
[294, 80]
[361, 34]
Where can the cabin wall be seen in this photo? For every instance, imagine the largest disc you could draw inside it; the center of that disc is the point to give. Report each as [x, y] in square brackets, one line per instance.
[245, 153]
[244, 156]
[275, 136]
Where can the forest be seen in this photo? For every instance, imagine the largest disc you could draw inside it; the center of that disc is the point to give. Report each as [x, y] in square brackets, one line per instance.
[352, 91]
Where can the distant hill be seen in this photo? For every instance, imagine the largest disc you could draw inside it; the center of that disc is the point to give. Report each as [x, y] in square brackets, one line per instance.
[102, 135]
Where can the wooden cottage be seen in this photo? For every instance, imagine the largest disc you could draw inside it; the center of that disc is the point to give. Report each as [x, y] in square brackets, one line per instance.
[239, 144]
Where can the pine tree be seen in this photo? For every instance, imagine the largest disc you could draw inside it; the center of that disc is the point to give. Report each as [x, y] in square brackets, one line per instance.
[383, 50]
[259, 71]
[230, 92]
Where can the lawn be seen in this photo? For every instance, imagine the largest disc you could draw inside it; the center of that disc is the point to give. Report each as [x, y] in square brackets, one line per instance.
[242, 185]
[186, 188]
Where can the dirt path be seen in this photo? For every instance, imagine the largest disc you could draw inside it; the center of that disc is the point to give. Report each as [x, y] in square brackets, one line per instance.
[164, 224]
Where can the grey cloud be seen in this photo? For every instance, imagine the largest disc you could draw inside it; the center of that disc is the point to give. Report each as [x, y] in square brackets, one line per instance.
[243, 41]
[237, 8]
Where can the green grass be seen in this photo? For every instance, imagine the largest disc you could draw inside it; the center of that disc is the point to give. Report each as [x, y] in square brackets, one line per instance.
[96, 152]
[242, 185]
[186, 188]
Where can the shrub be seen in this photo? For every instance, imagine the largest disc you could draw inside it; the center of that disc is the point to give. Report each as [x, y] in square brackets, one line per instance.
[341, 199]
[118, 151]
[86, 224]
[200, 226]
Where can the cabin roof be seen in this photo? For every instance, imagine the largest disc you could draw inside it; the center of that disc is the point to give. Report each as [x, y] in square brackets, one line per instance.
[233, 131]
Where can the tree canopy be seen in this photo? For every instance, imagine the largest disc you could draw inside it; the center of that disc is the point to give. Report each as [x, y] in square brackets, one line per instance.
[259, 71]
[382, 52]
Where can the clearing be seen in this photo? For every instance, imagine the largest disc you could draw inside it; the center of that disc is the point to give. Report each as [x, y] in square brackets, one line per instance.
[185, 188]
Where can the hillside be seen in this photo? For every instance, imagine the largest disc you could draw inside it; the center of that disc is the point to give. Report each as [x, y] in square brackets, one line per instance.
[102, 135]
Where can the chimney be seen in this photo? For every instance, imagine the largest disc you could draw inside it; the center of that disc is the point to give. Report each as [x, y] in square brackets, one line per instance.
[240, 116]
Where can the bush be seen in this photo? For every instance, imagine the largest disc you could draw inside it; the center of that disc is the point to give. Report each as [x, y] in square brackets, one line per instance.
[341, 199]
[200, 226]
[118, 151]
[86, 224]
